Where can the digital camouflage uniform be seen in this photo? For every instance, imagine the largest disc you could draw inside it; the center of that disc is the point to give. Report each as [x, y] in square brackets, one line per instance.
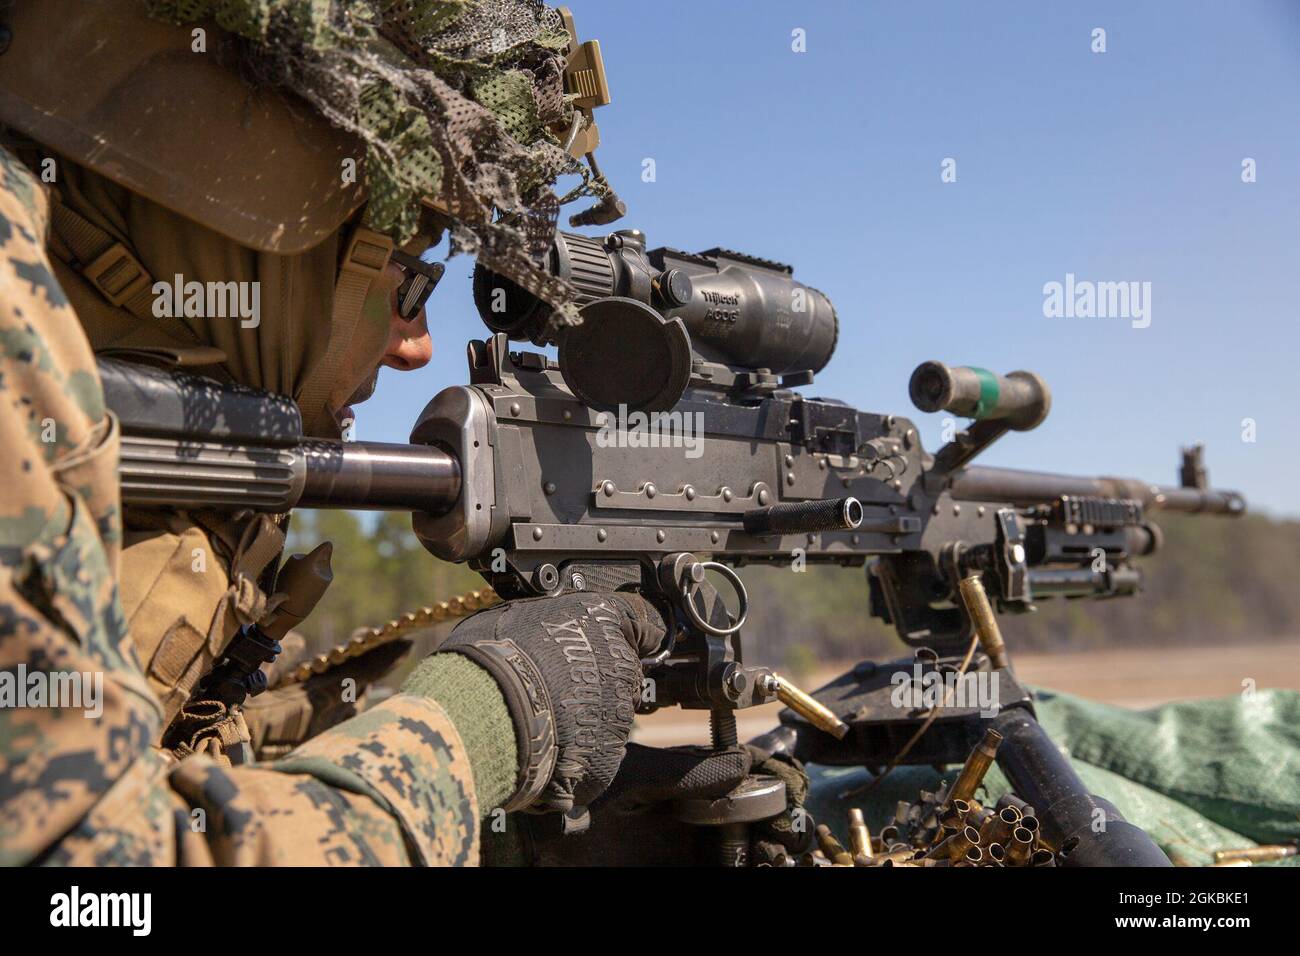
[391, 786]
[419, 92]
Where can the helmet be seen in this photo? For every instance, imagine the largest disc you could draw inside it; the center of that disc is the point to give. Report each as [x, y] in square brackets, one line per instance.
[128, 96]
[281, 125]
[273, 122]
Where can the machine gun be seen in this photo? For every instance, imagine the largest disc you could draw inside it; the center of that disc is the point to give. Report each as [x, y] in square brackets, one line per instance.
[668, 446]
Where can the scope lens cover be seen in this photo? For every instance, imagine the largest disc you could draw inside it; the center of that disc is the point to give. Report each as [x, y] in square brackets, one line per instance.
[625, 353]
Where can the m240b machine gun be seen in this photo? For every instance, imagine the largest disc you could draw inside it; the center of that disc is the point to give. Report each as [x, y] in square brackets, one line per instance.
[666, 447]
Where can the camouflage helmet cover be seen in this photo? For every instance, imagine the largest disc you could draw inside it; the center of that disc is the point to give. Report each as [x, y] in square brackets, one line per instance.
[214, 109]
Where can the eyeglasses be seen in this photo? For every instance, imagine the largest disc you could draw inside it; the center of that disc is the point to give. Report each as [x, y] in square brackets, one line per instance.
[419, 278]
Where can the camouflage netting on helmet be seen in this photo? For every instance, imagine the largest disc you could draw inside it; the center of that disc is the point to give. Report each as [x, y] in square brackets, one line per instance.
[452, 98]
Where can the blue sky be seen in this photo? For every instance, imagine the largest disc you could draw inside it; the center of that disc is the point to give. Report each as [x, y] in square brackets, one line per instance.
[1115, 166]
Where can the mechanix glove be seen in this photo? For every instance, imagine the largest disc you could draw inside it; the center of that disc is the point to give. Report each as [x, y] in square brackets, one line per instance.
[634, 822]
[569, 668]
[791, 833]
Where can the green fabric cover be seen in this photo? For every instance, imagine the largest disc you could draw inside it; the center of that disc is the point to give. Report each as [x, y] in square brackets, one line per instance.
[473, 701]
[1199, 776]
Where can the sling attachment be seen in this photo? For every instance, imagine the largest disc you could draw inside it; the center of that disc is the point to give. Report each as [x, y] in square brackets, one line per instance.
[239, 675]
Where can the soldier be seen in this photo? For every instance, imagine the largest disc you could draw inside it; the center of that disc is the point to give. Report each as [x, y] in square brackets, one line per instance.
[170, 192]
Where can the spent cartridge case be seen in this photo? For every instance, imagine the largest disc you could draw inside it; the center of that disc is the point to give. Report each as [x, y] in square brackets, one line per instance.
[955, 847]
[832, 847]
[859, 835]
[902, 814]
[999, 827]
[1011, 800]
[811, 710]
[984, 620]
[1264, 853]
[1020, 848]
[897, 855]
[976, 766]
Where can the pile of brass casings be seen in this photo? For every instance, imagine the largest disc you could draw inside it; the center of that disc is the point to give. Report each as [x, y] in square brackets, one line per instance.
[946, 828]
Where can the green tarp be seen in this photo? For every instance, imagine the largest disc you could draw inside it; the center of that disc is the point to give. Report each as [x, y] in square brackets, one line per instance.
[1198, 776]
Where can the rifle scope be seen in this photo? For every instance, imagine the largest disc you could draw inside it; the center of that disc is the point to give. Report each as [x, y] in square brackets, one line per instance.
[648, 315]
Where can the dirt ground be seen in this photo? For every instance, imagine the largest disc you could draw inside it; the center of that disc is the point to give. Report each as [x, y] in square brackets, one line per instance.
[1135, 678]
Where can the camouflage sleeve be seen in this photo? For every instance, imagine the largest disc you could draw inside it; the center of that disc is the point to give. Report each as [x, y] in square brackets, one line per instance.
[74, 709]
[334, 800]
[81, 778]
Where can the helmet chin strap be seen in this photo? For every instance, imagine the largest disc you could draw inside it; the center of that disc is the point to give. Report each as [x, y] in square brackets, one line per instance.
[364, 258]
[366, 389]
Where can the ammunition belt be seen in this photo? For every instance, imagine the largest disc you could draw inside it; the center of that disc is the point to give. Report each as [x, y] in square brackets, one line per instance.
[462, 605]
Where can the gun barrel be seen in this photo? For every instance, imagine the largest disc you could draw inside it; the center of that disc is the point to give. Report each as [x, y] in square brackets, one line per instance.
[1025, 488]
[371, 476]
[378, 476]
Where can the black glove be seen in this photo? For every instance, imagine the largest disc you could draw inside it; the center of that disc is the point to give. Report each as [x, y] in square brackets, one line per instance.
[569, 668]
[790, 833]
[633, 822]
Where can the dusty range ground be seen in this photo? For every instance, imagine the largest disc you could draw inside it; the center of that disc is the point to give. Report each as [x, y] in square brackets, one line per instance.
[1127, 678]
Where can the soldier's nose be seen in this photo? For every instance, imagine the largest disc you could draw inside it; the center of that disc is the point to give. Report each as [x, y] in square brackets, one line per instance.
[409, 344]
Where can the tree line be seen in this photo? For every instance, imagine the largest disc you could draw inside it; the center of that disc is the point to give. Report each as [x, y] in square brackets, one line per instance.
[1213, 581]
